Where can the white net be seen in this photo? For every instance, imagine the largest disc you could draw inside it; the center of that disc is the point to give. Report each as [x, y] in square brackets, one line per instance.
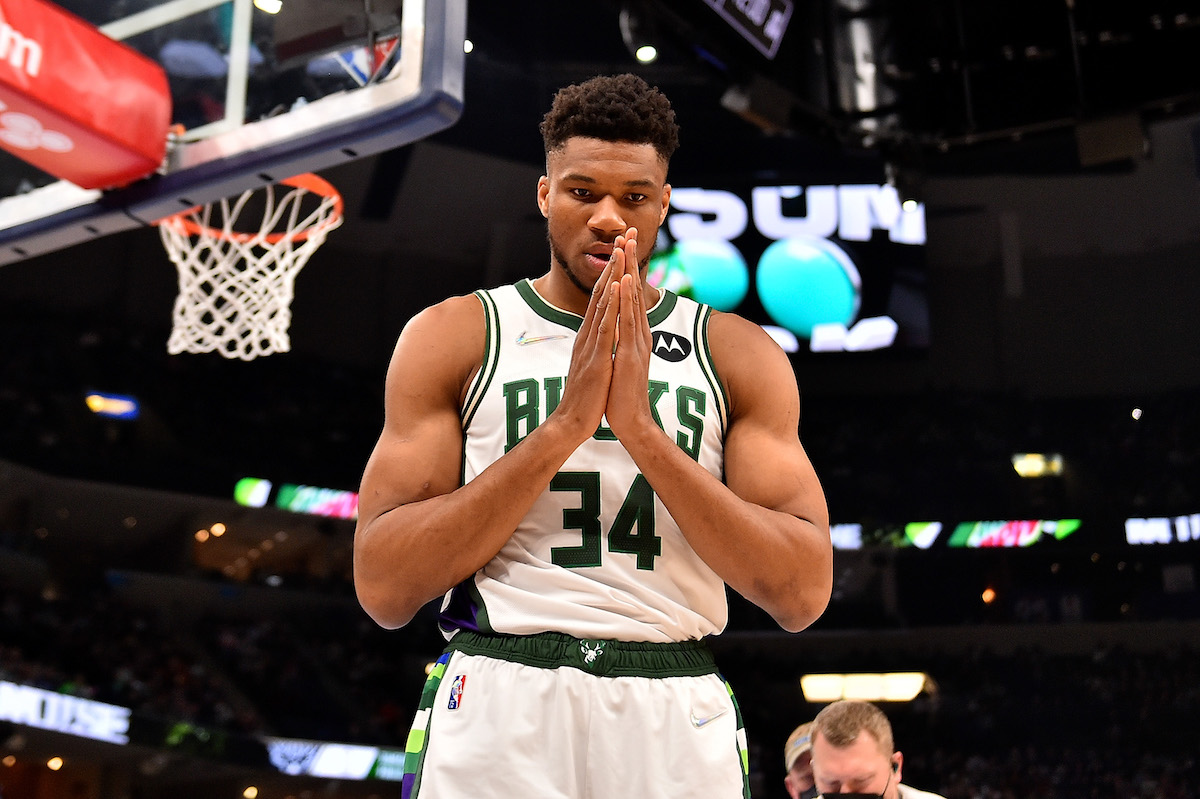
[236, 287]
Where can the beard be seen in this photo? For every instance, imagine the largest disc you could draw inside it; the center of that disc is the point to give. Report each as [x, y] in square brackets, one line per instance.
[560, 260]
[574, 275]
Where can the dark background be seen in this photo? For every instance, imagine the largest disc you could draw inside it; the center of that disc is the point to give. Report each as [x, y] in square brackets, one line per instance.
[1061, 181]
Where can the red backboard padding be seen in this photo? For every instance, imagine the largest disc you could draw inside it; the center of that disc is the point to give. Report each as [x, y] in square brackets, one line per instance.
[75, 103]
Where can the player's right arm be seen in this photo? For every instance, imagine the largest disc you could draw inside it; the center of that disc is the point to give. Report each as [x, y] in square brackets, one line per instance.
[420, 533]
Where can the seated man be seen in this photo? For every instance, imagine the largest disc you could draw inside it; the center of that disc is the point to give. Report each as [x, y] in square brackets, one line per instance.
[797, 762]
[853, 754]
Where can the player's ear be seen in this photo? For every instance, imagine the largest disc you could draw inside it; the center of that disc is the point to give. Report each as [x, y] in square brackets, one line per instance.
[543, 195]
[666, 203]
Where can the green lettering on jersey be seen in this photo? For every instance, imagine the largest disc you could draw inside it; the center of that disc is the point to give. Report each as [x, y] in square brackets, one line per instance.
[632, 530]
[585, 518]
[520, 410]
[657, 389]
[636, 514]
[604, 433]
[554, 387]
[690, 404]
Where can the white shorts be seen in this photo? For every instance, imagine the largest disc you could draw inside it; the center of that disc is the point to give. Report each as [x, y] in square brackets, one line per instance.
[553, 717]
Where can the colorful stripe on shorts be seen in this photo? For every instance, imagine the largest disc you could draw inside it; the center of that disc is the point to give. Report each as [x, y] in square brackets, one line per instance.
[414, 747]
[743, 747]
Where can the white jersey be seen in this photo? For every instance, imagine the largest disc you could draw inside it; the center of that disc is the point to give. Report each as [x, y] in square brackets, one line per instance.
[597, 556]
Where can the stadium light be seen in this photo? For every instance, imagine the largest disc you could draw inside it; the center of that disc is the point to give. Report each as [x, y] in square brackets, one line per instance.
[1037, 464]
[638, 32]
[897, 686]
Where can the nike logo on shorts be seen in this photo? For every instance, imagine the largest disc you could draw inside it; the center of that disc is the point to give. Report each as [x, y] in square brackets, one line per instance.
[524, 340]
[699, 722]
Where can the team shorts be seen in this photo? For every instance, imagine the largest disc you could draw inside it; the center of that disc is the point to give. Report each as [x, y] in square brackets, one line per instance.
[549, 716]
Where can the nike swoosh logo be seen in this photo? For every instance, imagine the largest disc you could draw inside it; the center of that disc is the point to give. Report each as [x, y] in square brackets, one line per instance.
[699, 722]
[524, 340]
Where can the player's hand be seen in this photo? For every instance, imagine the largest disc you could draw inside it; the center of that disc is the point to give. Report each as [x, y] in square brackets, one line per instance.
[628, 395]
[586, 394]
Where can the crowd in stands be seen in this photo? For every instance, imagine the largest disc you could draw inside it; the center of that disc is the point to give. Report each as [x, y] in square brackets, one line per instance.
[1110, 723]
[1031, 723]
[92, 647]
[207, 421]
[946, 454]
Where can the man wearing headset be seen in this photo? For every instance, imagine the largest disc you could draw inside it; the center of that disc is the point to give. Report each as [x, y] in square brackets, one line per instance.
[854, 755]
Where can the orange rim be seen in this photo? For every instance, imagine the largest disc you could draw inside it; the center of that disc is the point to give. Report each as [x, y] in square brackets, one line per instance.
[307, 181]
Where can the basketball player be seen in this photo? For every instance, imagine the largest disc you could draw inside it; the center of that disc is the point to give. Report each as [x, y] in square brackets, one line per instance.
[579, 464]
[854, 755]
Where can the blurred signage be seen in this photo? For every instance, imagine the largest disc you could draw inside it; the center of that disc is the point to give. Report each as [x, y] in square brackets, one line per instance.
[73, 715]
[334, 760]
[1163, 529]
[846, 536]
[1011, 533]
[760, 22]
[920, 535]
[849, 212]
[840, 267]
[254, 492]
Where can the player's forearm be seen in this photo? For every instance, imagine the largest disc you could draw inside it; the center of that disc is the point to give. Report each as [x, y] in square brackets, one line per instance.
[780, 561]
[413, 553]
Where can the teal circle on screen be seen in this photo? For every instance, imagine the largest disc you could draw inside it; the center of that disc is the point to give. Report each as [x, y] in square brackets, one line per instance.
[716, 271]
[808, 281]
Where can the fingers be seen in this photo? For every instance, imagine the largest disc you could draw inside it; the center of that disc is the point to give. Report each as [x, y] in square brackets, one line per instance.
[621, 262]
[636, 288]
[607, 331]
[629, 245]
[635, 324]
[631, 303]
[628, 404]
[609, 276]
[620, 259]
[599, 292]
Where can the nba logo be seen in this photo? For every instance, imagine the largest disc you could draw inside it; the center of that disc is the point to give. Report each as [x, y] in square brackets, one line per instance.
[456, 692]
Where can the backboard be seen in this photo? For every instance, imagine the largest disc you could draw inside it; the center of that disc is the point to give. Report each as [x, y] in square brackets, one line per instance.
[261, 90]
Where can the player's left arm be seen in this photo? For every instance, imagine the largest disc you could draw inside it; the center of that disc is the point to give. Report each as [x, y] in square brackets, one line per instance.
[783, 561]
[765, 530]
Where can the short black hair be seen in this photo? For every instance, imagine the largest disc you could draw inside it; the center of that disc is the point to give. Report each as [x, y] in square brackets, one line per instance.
[612, 108]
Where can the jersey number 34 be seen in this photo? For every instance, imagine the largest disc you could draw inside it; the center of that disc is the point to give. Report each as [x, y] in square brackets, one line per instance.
[632, 529]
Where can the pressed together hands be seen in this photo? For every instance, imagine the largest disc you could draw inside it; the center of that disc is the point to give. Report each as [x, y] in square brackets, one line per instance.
[610, 362]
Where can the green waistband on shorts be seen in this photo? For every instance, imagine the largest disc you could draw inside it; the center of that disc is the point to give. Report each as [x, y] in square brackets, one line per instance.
[601, 657]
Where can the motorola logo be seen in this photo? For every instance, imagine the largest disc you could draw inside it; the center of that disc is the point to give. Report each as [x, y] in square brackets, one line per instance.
[671, 347]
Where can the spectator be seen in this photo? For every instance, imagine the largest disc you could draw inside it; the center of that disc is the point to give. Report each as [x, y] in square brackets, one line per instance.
[797, 762]
[853, 754]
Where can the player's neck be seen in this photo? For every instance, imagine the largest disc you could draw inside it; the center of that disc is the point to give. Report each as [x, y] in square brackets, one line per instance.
[562, 292]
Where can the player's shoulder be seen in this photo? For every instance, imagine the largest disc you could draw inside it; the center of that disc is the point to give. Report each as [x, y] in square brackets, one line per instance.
[733, 333]
[453, 317]
[447, 336]
[749, 363]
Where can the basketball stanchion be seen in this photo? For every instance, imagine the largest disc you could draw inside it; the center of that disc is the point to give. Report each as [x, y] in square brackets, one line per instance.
[236, 285]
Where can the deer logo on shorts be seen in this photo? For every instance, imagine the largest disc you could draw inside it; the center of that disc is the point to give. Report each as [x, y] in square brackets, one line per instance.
[590, 653]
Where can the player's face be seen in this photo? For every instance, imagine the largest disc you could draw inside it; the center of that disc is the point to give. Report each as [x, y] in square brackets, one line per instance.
[593, 191]
[860, 768]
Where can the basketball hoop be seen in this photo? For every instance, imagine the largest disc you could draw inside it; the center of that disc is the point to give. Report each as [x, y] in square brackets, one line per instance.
[235, 287]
